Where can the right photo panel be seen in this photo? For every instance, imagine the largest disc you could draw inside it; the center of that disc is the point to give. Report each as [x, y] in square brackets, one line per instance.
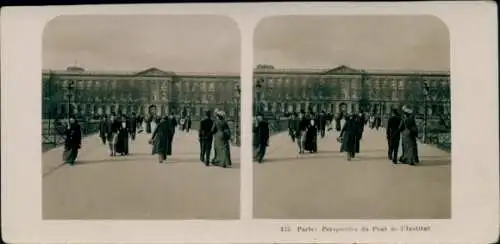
[352, 118]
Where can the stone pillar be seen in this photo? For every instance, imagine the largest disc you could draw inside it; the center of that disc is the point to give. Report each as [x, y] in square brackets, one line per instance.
[356, 107]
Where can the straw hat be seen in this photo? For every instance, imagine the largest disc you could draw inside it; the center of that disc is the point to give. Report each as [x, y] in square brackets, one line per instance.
[407, 110]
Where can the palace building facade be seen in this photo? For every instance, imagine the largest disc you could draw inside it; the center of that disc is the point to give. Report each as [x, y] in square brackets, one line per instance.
[374, 91]
[85, 93]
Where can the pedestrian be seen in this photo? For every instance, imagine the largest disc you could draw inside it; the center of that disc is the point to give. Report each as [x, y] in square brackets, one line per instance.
[205, 137]
[311, 136]
[291, 126]
[182, 124]
[172, 123]
[393, 134]
[188, 123]
[161, 140]
[112, 132]
[261, 141]
[122, 141]
[347, 137]
[378, 121]
[409, 134]
[103, 128]
[222, 137]
[360, 125]
[132, 122]
[72, 141]
[300, 129]
[322, 121]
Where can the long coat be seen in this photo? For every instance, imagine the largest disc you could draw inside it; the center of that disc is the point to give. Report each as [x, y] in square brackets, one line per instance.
[222, 136]
[311, 140]
[123, 136]
[161, 139]
[409, 133]
[348, 135]
[72, 142]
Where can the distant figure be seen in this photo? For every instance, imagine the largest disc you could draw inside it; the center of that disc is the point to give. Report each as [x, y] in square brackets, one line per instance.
[182, 124]
[122, 142]
[261, 141]
[72, 141]
[172, 123]
[188, 123]
[360, 125]
[112, 134]
[222, 137]
[409, 134]
[291, 126]
[205, 137]
[348, 136]
[322, 121]
[311, 137]
[161, 140]
[301, 127]
[103, 128]
[378, 121]
[393, 135]
[132, 122]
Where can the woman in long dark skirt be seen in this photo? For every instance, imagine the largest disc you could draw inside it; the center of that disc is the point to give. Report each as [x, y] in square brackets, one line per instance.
[161, 140]
[311, 144]
[409, 134]
[72, 141]
[222, 137]
[348, 137]
[121, 146]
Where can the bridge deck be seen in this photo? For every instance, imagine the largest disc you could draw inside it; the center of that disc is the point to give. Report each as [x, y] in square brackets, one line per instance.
[137, 186]
[326, 186]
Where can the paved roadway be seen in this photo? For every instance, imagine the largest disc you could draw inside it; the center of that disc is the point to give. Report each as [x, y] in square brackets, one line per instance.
[326, 186]
[137, 186]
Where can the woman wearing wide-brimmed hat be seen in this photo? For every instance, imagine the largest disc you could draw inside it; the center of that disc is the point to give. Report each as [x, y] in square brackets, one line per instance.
[222, 136]
[409, 134]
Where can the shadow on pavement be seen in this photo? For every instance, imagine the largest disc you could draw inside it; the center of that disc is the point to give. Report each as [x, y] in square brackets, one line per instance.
[432, 163]
[307, 157]
[52, 170]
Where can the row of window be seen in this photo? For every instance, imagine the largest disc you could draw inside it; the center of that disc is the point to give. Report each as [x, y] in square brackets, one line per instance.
[188, 85]
[354, 82]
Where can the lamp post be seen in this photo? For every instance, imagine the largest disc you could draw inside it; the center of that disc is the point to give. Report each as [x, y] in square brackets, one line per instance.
[258, 86]
[69, 96]
[426, 94]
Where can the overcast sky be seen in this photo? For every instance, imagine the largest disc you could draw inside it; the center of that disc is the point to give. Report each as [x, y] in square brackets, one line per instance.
[365, 42]
[134, 43]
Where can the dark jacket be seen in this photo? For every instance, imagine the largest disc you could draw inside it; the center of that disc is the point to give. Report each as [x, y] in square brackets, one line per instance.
[393, 127]
[261, 133]
[205, 131]
[73, 137]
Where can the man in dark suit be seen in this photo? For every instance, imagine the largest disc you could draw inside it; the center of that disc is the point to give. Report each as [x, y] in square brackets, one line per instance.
[322, 123]
[132, 121]
[205, 137]
[261, 142]
[393, 135]
[292, 126]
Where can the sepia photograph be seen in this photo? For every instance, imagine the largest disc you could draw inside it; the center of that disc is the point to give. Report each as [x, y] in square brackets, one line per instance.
[140, 117]
[352, 117]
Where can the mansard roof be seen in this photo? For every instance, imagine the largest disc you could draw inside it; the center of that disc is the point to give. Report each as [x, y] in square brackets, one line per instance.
[344, 69]
[150, 72]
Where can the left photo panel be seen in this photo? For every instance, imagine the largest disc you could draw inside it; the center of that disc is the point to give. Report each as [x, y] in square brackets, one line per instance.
[141, 117]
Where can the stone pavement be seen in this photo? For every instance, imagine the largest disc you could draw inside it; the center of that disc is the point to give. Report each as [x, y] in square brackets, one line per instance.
[137, 186]
[326, 186]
